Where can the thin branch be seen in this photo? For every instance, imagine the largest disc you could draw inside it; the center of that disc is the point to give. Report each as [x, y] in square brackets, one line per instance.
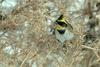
[3, 33]
[27, 56]
[90, 47]
[97, 55]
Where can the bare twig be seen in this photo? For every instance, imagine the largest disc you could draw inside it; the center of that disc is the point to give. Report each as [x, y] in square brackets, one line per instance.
[27, 56]
[97, 55]
[3, 33]
[90, 47]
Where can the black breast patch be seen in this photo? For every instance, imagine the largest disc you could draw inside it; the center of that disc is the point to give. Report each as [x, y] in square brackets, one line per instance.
[61, 31]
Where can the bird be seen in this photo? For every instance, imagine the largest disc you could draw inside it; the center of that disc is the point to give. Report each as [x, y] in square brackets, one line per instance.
[63, 30]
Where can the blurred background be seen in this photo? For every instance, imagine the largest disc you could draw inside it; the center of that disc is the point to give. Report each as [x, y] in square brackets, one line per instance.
[26, 40]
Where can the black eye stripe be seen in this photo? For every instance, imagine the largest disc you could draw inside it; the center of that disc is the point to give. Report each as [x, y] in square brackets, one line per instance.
[62, 24]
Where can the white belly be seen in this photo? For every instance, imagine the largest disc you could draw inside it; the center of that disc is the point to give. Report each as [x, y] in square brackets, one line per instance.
[66, 36]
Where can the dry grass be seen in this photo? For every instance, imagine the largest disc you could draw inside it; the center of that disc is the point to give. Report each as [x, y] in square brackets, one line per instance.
[26, 29]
